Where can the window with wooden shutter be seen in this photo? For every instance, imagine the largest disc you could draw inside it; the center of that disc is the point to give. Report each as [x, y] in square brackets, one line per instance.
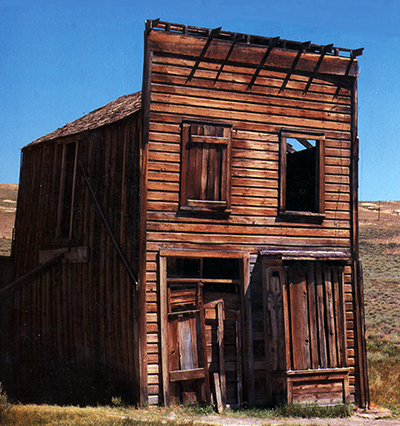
[302, 173]
[205, 173]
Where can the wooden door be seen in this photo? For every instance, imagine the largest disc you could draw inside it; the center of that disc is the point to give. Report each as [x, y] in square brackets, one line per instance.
[188, 370]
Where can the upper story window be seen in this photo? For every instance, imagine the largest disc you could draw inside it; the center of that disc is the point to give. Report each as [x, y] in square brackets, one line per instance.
[302, 173]
[205, 173]
[67, 191]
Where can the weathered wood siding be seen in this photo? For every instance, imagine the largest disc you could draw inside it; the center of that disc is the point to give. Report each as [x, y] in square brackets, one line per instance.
[257, 116]
[72, 333]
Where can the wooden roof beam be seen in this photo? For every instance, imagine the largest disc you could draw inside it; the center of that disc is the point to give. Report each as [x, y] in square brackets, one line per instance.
[212, 34]
[305, 143]
[304, 46]
[353, 55]
[236, 37]
[272, 43]
[324, 49]
[152, 23]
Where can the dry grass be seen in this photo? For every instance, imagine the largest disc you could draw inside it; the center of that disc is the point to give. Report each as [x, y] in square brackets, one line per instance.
[49, 415]
[36, 415]
[380, 250]
[384, 374]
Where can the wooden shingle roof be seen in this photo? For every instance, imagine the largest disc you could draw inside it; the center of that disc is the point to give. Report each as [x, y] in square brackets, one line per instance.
[113, 111]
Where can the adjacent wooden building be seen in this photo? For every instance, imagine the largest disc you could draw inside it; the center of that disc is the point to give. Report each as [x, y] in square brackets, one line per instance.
[196, 241]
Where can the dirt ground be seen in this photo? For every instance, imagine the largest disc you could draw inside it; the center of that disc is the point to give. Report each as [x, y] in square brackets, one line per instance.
[374, 416]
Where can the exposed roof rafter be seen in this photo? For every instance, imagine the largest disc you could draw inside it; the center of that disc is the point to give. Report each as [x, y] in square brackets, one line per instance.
[212, 34]
[324, 49]
[272, 43]
[305, 46]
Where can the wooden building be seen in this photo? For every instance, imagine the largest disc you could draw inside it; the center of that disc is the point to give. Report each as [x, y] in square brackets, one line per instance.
[196, 241]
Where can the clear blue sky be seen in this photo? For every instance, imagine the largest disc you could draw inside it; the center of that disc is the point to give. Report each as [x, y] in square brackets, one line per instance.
[60, 59]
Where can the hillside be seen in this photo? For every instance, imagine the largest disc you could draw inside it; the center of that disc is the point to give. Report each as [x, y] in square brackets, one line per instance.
[379, 248]
[8, 205]
[380, 251]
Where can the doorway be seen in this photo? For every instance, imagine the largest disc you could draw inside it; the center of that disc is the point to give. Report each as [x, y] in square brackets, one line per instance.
[204, 322]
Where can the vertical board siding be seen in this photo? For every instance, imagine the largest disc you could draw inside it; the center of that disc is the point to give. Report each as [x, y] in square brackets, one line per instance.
[257, 116]
[74, 334]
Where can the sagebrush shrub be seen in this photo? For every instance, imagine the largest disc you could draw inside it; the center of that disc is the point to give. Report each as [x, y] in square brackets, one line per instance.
[4, 404]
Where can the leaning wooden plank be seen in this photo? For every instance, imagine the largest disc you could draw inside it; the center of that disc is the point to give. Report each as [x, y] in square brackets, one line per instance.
[221, 350]
[218, 398]
[30, 276]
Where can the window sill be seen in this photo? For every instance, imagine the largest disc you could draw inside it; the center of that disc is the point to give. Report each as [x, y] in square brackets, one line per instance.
[310, 217]
[206, 206]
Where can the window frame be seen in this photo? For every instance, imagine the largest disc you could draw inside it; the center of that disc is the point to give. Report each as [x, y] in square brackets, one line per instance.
[202, 205]
[319, 193]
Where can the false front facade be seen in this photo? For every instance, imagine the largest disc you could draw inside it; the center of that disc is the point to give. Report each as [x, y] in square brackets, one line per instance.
[199, 241]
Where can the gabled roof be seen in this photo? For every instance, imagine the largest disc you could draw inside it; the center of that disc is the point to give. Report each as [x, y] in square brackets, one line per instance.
[107, 114]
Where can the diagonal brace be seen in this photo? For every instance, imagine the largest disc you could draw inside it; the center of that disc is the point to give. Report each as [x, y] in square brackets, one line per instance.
[235, 39]
[325, 49]
[272, 43]
[304, 46]
[214, 33]
[353, 55]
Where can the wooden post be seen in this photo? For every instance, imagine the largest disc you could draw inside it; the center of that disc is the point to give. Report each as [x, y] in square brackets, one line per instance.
[221, 350]
[218, 398]
[247, 331]
[164, 329]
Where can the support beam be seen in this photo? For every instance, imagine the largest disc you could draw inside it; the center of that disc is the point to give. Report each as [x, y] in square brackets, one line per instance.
[213, 33]
[272, 43]
[325, 49]
[108, 229]
[235, 39]
[304, 46]
[30, 276]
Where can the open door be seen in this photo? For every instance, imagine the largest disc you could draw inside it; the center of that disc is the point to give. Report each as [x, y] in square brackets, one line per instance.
[188, 369]
[203, 319]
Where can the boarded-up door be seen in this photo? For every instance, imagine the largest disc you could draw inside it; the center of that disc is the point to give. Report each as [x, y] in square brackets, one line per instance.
[305, 332]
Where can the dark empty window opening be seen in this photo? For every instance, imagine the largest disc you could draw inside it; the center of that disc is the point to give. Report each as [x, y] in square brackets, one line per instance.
[300, 176]
[207, 268]
[67, 191]
[302, 173]
[205, 174]
[217, 274]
